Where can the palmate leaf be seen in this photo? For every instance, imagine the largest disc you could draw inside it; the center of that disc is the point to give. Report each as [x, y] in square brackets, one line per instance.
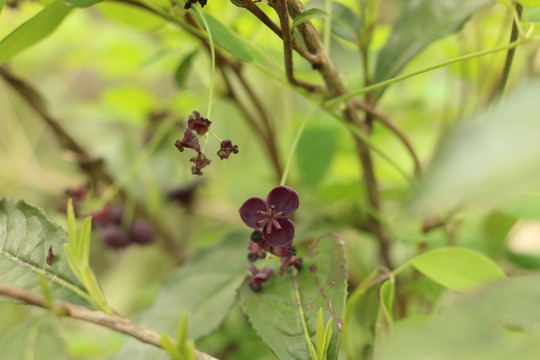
[274, 311]
[421, 23]
[26, 234]
[204, 289]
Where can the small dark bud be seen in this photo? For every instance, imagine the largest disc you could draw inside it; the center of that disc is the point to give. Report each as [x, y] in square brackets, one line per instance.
[226, 149]
[114, 236]
[298, 264]
[255, 287]
[50, 257]
[141, 232]
[251, 257]
[183, 195]
[292, 251]
[256, 236]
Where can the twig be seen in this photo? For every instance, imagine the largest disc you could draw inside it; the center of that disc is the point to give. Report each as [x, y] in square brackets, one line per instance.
[95, 168]
[281, 9]
[254, 9]
[336, 88]
[114, 322]
[511, 52]
[268, 139]
[386, 122]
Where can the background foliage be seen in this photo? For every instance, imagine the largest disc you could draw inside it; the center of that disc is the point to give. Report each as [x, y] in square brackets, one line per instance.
[122, 81]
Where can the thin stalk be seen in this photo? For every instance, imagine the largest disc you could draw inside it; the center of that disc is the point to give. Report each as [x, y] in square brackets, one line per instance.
[295, 144]
[300, 309]
[212, 59]
[327, 25]
[514, 36]
[336, 100]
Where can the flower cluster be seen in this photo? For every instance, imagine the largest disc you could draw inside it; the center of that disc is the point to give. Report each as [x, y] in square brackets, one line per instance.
[197, 127]
[192, 2]
[274, 232]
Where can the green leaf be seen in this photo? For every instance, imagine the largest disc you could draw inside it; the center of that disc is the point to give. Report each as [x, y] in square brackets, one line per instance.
[487, 160]
[387, 299]
[319, 332]
[2, 3]
[181, 332]
[274, 311]
[496, 228]
[326, 339]
[168, 345]
[459, 269]
[421, 23]
[314, 154]
[181, 73]
[34, 30]
[498, 323]
[384, 323]
[225, 38]
[307, 15]
[26, 234]
[529, 3]
[526, 261]
[359, 319]
[81, 3]
[205, 288]
[84, 241]
[37, 339]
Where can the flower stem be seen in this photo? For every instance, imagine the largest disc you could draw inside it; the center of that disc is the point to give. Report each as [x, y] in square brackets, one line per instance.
[300, 309]
[515, 34]
[327, 25]
[213, 60]
[338, 99]
[295, 144]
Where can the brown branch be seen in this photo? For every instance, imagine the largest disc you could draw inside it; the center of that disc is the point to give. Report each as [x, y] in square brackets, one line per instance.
[267, 137]
[336, 88]
[368, 108]
[114, 322]
[281, 9]
[254, 9]
[95, 168]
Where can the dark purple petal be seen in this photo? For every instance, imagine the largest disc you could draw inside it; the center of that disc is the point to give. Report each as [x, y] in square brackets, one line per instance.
[284, 198]
[283, 237]
[248, 211]
[254, 271]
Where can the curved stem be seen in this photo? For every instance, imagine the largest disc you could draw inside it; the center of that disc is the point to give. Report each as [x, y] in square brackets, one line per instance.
[114, 322]
[514, 36]
[336, 100]
[212, 59]
[294, 145]
[300, 309]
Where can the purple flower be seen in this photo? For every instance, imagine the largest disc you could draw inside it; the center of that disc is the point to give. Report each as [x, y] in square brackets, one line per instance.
[272, 215]
[226, 149]
[198, 124]
[258, 277]
[189, 141]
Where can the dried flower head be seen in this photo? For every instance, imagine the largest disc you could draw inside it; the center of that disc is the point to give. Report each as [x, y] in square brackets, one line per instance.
[226, 149]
